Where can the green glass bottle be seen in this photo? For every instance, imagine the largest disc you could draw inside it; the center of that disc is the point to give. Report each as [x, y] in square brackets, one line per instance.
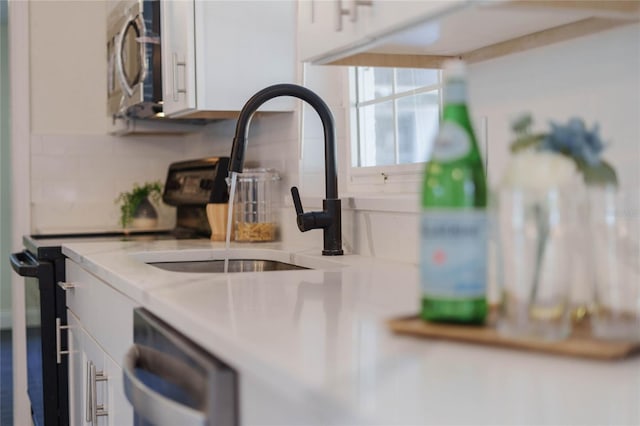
[453, 257]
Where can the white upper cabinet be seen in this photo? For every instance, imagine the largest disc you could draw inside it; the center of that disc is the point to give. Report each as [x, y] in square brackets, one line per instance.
[330, 29]
[217, 54]
[424, 33]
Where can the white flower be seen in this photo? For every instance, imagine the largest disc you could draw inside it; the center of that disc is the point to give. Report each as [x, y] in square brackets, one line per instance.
[539, 170]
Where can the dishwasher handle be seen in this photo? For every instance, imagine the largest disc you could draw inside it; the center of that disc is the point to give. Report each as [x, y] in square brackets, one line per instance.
[24, 264]
[151, 405]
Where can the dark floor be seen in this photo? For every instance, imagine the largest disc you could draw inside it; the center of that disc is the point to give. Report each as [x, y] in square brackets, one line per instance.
[6, 379]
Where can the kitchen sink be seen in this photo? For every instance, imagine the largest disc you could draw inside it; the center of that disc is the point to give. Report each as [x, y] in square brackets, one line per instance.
[240, 260]
[235, 265]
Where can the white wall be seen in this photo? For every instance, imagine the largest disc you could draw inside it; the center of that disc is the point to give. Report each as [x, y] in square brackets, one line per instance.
[68, 67]
[5, 173]
[596, 77]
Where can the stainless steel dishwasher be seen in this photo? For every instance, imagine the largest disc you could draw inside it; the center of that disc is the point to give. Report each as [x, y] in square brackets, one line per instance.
[170, 380]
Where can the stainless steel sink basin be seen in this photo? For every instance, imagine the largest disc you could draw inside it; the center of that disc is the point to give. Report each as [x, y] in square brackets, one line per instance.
[235, 265]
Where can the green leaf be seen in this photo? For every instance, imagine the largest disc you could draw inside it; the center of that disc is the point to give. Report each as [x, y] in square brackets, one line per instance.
[526, 142]
[522, 124]
[129, 201]
[601, 174]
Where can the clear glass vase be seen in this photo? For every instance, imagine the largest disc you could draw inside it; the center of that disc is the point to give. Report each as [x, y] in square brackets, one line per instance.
[614, 250]
[536, 233]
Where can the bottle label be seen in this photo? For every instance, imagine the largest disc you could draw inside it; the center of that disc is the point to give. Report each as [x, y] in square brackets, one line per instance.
[453, 142]
[453, 263]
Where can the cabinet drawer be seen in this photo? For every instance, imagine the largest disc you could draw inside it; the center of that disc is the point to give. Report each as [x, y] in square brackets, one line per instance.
[105, 313]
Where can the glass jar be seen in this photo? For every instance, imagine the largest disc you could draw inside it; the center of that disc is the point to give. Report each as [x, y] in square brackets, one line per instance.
[537, 232]
[614, 249]
[253, 212]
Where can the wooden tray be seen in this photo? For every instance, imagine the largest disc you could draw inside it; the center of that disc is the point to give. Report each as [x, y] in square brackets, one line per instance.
[579, 344]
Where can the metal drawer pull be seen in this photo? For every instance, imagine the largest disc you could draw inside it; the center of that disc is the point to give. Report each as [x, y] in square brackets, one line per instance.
[154, 407]
[340, 12]
[87, 394]
[65, 285]
[353, 11]
[60, 352]
[177, 64]
[95, 409]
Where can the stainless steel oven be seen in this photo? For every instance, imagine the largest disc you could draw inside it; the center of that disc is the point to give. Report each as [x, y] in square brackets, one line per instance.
[189, 187]
[134, 69]
[170, 380]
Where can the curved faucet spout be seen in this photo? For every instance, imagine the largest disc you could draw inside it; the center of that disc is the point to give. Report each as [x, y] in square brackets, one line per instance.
[242, 129]
[330, 218]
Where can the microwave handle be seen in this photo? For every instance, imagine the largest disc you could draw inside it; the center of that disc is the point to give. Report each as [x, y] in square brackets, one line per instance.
[24, 264]
[139, 22]
[154, 407]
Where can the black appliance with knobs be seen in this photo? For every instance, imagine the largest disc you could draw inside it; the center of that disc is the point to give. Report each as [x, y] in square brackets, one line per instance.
[188, 187]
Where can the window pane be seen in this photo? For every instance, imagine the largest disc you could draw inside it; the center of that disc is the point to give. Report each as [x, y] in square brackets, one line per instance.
[374, 83]
[409, 79]
[376, 135]
[418, 118]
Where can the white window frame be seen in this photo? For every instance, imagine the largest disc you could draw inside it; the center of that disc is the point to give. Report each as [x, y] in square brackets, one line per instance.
[388, 179]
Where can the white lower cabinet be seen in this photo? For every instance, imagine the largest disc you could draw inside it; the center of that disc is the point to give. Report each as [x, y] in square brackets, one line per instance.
[100, 321]
[120, 410]
[96, 396]
[90, 380]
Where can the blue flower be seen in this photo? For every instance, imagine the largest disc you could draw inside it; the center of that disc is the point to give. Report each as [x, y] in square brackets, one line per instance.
[575, 140]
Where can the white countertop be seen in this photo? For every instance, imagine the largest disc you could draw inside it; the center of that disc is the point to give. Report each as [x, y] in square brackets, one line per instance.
[320, 337]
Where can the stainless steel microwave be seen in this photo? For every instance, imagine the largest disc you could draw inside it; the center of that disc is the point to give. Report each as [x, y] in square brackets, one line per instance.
[134, 68]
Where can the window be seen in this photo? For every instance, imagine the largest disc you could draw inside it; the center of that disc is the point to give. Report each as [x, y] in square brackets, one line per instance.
[395, 117]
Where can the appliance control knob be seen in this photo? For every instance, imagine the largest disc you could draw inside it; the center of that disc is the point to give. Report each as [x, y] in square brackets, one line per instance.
[173, 184]
[206, 184]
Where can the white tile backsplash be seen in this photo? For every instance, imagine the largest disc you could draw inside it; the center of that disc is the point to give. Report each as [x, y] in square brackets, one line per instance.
[75, 179]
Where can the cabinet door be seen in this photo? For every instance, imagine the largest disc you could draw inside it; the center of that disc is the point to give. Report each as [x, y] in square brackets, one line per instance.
[120, 410]
[217, 54]
[241, 48]
[178, 57]
[77, 361]
[97, 382]
[319, 31]
[361, 25]
[86, 375]
[385, 17]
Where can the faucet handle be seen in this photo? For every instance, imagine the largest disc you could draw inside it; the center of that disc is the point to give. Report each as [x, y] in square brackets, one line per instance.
[309, 220]
[296, 200]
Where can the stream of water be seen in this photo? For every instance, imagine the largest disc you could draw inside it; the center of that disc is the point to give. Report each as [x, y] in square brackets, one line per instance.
[232, 194]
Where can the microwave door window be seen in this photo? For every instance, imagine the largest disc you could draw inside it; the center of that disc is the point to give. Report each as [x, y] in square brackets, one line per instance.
[131, 59]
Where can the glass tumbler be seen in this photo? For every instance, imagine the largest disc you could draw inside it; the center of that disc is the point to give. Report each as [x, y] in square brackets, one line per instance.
[253, 211]
[535, 232]
[614, 225]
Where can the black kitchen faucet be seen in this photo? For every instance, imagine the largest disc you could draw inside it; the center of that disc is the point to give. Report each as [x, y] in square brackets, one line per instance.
[329, 219]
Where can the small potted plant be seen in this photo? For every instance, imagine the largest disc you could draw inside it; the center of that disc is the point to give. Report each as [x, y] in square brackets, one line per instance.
[136, 209]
